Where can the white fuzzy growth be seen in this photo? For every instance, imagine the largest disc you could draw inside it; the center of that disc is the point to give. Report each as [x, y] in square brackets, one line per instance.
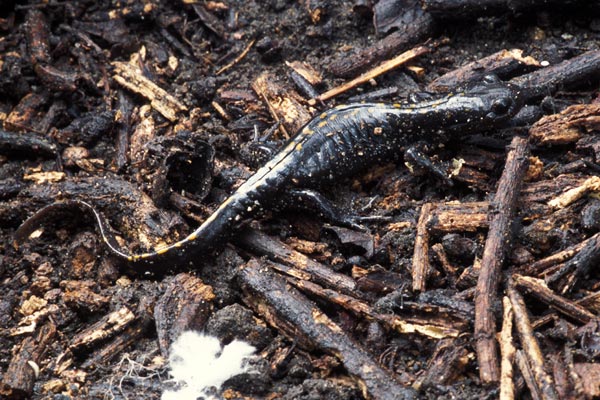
[198, 363]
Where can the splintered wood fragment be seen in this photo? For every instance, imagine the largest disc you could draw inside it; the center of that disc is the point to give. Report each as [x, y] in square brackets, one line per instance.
[585, 67]
[503, 63]
[540, 266]
[545, 190]
[591, 184]
[577, 267]
[568, 126]
[507, 352]
[299, 319]
[375, 72]
[424, 327]
[133, 79]
[537, 288]
[306, 71]
[413, 25]
[420, 262]
[293, 262]
[20, 376]
[284, 104]
[37, 33]
[528, 376]
[185, 305]
[443, 217]
[502, 211]
[531, 348]
[239, 58]
[107, 327]
[459, 217]
[133, 332]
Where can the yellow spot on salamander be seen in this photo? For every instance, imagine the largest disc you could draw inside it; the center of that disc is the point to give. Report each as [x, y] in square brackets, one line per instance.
[192, 237]
[299, 146]
[322, 124]
[324, 115]
[159, 251]
[397, 105]
[307, 131]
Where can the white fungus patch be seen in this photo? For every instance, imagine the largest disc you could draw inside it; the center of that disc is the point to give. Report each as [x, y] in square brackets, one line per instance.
[198, 362]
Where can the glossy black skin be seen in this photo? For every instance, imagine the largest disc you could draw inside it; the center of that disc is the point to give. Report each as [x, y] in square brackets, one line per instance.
[333, 145]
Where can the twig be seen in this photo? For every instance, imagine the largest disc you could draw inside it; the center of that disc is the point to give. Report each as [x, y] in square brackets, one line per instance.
[499, 237]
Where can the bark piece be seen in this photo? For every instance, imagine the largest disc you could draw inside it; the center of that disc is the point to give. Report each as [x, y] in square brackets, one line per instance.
[576, 70]
[294, 263]
[133, 79]
[448, 362]
[503, 63]
[568, 126]
[299, 319]
[20, 376]
[435, 322]
[502, 211]
[186, 304]
[107, 327]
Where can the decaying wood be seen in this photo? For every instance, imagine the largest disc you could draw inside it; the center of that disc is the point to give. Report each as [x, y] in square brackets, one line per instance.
[538, 289]
[132, 333]
[373, 73]
[24, 367]
[528, 376]
[294, 263]
[300, 320]
[583, 68]
[591, 184]
[436, 325]
[464, 8]
[507, 352]
[538, 267]
[106, 328]
[421, 265]
[133, 79]
[532, 354]
[577, 267]
[442, 217]
[502, 211]
[413, 25]
[284, 104]
[449, 360]
[568, 126]
[26, 144]
[503, 63]
[185, 305]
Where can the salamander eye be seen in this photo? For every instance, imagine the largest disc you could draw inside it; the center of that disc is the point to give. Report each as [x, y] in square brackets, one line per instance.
[501, 106]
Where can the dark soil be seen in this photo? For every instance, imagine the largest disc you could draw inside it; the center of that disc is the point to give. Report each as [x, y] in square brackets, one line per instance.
[157, 193]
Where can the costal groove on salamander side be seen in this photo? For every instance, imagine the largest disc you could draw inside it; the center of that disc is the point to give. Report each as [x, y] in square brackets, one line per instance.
[333, 145]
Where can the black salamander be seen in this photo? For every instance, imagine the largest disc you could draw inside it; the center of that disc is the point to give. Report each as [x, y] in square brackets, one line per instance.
[333, 145]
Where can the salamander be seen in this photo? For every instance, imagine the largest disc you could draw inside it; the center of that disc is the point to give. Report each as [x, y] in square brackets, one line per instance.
[333, 145]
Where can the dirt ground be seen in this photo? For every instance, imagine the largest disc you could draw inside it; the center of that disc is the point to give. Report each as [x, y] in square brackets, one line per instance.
[155, 178]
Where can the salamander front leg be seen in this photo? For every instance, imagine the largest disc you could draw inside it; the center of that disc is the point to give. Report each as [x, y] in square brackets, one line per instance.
[313, 201]
[413, 156]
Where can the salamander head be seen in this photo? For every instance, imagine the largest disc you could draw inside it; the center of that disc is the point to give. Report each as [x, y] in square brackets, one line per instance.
[499, 100]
